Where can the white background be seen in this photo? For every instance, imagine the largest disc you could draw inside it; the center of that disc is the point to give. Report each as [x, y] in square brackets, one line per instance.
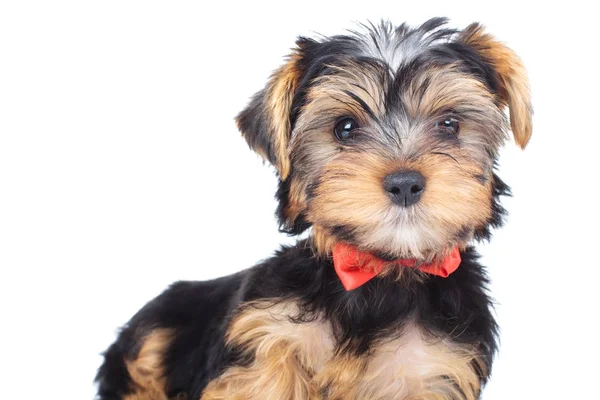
[121, 170]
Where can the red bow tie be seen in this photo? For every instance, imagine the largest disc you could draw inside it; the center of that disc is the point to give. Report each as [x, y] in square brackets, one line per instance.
[354, 267]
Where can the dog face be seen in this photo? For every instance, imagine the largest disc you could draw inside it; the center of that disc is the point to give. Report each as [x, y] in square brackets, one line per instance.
[387, 140]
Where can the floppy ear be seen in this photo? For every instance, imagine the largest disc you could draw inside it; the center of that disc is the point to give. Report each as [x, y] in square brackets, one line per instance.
[265, 122]
[513, 85]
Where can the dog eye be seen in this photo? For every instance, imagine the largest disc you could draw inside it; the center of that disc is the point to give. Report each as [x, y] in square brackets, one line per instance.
[449, 125]
[344, 128]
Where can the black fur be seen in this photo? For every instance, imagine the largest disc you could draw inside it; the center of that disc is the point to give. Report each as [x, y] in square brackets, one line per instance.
[457, 306]
[254, 122]
[199, 313]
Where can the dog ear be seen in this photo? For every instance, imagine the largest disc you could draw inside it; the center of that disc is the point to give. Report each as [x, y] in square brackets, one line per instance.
[265, 122]
[513, 84]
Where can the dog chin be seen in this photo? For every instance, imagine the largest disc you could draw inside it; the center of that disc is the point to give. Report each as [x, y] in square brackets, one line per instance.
[408, 242]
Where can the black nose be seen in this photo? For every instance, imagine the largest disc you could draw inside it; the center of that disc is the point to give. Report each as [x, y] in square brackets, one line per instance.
[404, 188]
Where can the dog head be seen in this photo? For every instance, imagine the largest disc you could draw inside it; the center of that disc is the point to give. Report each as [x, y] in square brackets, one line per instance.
[387, 139]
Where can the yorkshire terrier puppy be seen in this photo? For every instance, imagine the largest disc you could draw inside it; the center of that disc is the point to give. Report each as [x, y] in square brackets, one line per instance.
[385, 144]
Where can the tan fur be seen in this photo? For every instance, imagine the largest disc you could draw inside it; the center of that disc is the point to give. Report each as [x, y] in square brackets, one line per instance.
[447, 88]
[436, 90]
[364, 81]
[278, 97]
[297, 200]
[350, 191]
[351, 195]
[322, 239]
[286, 356]
[146, 370]
[342, 379]
[298, 361]
[415, 367]
[514, 84]
[280, 94]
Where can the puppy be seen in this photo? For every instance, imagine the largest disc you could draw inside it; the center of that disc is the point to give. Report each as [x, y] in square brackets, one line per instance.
[385, 143]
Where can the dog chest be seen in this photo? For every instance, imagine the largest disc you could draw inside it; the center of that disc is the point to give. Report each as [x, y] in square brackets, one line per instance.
[292, 360]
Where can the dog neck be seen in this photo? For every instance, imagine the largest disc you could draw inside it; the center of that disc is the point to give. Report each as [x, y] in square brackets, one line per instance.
[355, 267]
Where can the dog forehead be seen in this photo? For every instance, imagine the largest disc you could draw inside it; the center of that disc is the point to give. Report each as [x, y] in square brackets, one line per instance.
[396, 46]
[396, 80]
[376, 66]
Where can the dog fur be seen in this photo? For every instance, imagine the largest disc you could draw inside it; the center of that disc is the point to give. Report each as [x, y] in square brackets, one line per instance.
[429, 99]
